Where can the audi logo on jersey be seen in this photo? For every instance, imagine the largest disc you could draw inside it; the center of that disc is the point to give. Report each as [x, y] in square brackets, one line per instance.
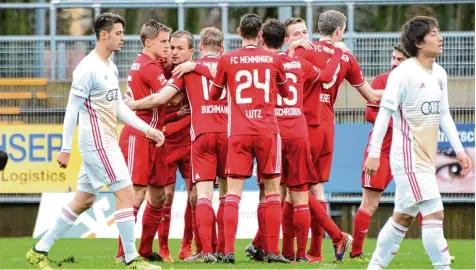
[430, 107]
[112, 94]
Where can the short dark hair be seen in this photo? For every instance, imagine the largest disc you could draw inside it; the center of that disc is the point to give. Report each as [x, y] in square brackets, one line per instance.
[151, 30]
[329, 21]
[414, 32]
[186, 34]
[273, 33]
[250, 25]
[105, 22]
[398, 47]
[291, 21]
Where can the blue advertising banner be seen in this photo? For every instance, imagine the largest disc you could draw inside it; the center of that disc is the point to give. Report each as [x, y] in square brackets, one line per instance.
[349, 144]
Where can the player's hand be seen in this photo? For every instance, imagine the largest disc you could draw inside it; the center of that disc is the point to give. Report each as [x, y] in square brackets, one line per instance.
[305, 43]
[155, 135]
[63, 159]
[371, 165]
[129, 102]
[465, 162]
[183, 68]
[341, 45]
[184, 110]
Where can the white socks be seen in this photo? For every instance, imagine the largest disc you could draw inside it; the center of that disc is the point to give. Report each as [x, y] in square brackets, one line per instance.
[388, 243]
[125, 222]
[65, 220]
[435, 243]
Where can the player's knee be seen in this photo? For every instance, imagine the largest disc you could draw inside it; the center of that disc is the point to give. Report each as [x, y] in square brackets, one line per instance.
[403, 219]
[438, 215]
[169, 195]
[80, 206]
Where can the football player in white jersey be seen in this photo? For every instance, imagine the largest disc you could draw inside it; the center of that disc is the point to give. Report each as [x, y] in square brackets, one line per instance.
[96, 97]
[416, 97]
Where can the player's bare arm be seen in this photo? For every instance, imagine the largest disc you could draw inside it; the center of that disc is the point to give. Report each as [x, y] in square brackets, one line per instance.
[162, 97]
[305, 43]
[130, 118]
[368, 93]
[183, 68]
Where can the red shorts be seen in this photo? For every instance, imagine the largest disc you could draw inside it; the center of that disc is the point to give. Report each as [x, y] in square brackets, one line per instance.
[321, 139]
[383, 177]
[209, 152]
[178, 157]
[145, 161]
[243, 148]
[298, 170]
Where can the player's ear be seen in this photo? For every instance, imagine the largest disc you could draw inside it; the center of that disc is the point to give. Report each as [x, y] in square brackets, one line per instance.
[260, 34]
[200, 47]
[222, 49]
[238, 31]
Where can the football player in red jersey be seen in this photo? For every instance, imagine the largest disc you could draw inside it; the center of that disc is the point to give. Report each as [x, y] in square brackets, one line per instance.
[253, 77]
[298, 170]
[373, 186]
[320, 119]
[208, 135]
[289, 120]
[146, 162]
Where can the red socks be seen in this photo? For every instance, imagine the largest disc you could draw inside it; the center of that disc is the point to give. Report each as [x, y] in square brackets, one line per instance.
[214, 233]
[230, 219]
[320, 221]
[221, 226]
[302, 222]
[187, 230]
[196, 236]
[273, 222]
[261, 237]
[288, 230]
[361, 225]
[204, 216]
[164, 228]
[150, 224]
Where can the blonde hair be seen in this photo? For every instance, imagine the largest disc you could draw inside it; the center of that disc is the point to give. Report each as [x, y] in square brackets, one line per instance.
[211, 38]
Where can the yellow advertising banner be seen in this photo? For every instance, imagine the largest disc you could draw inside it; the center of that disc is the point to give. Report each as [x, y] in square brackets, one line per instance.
[32, 166]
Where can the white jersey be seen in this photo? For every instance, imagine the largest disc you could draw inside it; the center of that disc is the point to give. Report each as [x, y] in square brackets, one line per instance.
[97, 82]
[417, 96]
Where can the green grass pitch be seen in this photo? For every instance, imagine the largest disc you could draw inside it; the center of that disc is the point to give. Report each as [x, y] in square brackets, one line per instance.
[99, 254]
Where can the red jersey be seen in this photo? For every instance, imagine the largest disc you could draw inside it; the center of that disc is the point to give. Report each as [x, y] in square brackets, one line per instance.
[348, 69]
[145, 78]
[371, 111]
[208, 116]
[251, 75]
[177, 131]
[291, 120]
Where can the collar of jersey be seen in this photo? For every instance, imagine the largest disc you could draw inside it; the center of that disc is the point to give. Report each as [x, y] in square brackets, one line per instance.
[251, 46]
[211, 55]
[281, 53]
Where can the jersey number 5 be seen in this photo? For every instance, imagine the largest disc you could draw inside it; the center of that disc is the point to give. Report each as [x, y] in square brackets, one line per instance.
[249, 80]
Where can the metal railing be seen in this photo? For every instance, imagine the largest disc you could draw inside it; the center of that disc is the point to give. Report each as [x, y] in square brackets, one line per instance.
[24, 56]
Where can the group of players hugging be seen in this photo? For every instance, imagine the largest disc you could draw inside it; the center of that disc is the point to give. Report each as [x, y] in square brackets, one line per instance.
[211, 118]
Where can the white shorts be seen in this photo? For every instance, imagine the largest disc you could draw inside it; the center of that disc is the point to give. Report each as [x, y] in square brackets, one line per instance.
[414, 188]
[103, 168]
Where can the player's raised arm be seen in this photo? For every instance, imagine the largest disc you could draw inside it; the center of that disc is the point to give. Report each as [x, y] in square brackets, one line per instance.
[161, 98]
[190, 66]
[129, 117]
[220, 80]
[281, 79]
